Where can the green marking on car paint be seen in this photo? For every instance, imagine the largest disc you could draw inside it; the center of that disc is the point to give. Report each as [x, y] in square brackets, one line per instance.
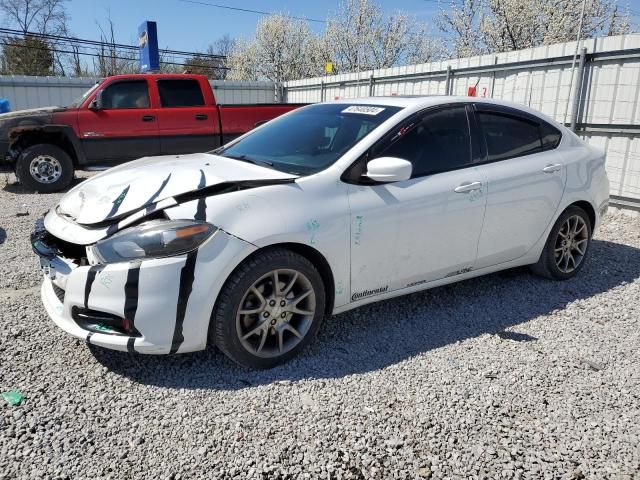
[312, 226]
[357, 234]
[103, 328]
[120, 198]
[106, 279]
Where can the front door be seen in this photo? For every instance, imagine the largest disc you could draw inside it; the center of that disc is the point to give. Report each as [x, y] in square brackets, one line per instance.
[125, 126]
[410, 233]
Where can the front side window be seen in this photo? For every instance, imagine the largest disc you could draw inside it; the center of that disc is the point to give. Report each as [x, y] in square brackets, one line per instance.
[509, 136]
[129, 94]
[309, 139]
[436, 142]
[180, 93]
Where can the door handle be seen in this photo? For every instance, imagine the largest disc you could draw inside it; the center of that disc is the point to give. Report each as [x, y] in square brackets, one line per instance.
[148, 118]
[552, 168]
[468, 187]
[201, 116]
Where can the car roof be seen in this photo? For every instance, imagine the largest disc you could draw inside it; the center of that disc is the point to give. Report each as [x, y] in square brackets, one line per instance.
[418, 102]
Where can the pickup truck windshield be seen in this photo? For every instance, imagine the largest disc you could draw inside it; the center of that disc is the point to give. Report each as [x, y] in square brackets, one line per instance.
[309, 139]
[78, 101]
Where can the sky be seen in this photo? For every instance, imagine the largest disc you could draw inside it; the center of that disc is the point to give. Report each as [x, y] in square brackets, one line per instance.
[183, 25]
[190, 25]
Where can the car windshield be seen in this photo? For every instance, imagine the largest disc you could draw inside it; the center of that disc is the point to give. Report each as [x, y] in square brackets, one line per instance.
[78, 101]
[309, 139]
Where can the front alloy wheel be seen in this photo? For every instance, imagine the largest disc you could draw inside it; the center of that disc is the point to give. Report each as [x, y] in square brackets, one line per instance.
[269, 309]
[276, 313]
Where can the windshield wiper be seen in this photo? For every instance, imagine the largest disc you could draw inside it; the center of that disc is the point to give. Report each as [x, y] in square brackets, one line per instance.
[255, 161]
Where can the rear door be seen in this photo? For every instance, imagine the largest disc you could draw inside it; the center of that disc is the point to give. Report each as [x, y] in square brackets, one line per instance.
[526, 178]
[124, 128]
[426, 228]
[187, 118]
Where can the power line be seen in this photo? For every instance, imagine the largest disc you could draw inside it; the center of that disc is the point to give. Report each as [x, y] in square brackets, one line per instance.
[98, 55]
[99, 43]
[246, 10]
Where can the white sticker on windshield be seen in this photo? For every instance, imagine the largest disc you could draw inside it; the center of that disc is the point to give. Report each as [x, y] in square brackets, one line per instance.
[363, 109]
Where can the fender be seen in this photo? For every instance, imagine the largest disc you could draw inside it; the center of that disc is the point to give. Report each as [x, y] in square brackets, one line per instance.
[16, 134]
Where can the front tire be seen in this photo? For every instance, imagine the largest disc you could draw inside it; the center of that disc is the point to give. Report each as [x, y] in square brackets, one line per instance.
[269, 309]
[44, 168]
[567, 247]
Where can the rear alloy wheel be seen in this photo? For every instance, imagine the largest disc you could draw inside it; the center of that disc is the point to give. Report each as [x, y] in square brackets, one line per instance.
[44, 168]
[567, 246]
[269, 309]
[571, 244]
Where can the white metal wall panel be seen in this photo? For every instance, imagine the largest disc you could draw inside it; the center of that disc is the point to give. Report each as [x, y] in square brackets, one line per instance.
[33, 92]
[610, 92]
[229, 92]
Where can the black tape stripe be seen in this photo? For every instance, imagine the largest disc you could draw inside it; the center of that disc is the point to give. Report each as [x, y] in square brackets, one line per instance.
[88, 339]
[130, 345]
[131, 292]
[201, 210]
[117, 202]
[186, 286]
[91, 277]
[155, 195]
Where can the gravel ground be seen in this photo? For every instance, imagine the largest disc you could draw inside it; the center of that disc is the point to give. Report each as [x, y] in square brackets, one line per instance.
[506, 376]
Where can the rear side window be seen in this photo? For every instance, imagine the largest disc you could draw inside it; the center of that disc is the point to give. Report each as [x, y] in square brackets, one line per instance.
[508, 136]
[128, 94]
[180, 93]
[436, 142]
[550, 136]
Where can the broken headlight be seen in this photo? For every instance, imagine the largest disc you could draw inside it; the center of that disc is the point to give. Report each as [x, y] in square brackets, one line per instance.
[158, 238]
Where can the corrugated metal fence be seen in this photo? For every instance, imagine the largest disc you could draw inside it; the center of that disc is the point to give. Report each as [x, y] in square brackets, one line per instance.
[606, 85]
[33, 92]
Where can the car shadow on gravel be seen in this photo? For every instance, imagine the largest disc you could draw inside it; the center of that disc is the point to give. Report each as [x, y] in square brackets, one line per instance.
[376, 336]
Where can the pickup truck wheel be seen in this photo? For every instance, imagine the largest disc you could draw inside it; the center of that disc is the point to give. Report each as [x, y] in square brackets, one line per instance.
[44, 168]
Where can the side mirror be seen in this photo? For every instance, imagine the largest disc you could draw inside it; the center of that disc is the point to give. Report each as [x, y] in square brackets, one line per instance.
[96, 103]
[389, 169]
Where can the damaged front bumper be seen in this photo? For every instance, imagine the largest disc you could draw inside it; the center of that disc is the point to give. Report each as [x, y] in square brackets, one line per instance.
[155, 306]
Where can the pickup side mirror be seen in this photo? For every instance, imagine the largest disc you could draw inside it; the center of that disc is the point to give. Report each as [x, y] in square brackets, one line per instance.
[389, 169]
[96, 103]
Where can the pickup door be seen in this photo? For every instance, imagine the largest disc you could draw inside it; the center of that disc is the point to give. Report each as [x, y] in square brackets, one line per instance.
[123, 125]
[188, 116]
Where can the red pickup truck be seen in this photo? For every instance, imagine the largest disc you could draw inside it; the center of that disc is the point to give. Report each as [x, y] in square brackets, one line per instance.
[122, 118]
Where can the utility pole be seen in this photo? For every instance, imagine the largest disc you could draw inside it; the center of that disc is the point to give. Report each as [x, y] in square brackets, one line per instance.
[573, 63]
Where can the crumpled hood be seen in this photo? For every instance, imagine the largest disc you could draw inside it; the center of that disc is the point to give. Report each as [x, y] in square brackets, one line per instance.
[33, 112]
[127, 188]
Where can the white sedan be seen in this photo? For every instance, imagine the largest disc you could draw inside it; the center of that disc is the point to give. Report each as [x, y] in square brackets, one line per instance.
[325, 209]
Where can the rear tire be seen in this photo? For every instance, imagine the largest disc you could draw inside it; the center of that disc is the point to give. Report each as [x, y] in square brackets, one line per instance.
[259, 326]
[44, 168]
[567, 247]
